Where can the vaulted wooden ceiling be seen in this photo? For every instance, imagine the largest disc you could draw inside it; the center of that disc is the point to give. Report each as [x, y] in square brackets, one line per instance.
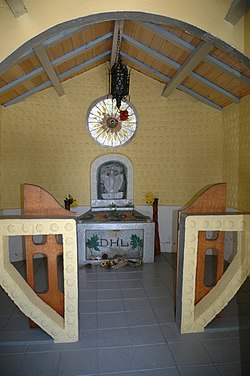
[206, 69]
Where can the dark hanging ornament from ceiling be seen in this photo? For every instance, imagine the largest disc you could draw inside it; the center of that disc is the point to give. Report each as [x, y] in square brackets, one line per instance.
[119, 81]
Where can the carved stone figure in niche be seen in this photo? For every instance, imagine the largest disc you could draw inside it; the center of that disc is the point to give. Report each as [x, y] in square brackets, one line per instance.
[112, 182]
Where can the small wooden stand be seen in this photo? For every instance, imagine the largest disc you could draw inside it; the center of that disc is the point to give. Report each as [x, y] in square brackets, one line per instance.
[40, 203]
[157, 244]
[211, 200]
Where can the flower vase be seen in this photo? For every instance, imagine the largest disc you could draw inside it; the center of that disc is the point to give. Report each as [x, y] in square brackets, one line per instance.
[67, 204]
[157, 244]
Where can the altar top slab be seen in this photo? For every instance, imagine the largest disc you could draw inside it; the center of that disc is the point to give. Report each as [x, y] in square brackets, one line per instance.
[113, 216]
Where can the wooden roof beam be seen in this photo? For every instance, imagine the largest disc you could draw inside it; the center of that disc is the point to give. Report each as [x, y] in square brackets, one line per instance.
[177, 66]
[44, 60]
[81, 49]
[17, 7]
[188, 47]
[237, 10]
[193, 60]
[117, 38]
[152, 52]
[61, 76]
[83, 65]
[55, 39]
[166, 78]
[55, 62]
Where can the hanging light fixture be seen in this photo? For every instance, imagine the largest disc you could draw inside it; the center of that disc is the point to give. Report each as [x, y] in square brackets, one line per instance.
[119, 81]
[119, 76]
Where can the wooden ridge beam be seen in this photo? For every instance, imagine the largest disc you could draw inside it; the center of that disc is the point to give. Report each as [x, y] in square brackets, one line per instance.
[117, 38]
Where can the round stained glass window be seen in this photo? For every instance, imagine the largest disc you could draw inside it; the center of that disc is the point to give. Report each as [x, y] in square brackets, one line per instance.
[110, 126]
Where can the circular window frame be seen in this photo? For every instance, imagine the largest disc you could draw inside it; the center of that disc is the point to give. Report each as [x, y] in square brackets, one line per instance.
[123, 104]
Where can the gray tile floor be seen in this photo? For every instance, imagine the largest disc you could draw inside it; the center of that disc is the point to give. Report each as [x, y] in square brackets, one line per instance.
[127, 327]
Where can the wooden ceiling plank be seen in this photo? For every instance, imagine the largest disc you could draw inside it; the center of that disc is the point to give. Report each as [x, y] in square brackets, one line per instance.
[137, 53]
[200, 97]
[10, 75]
[67, 33]
[214, 86]
[28, 93]
[38, 80]
[168, 36]
[28, 65]
[99, 29]
[17, 7]
[237, 10]
[193, 60]
[19, 80]
[192, 39]
[85, 47]
[208, 93]
[84, 57]
[158, 44]
[188, 47]
[181, 86]
[83, 70]
[146, 67]
[152, 52]
[83, 65]
[227, 69]
[43, 57]
[54, 51]
[216, 76]
[116, 43]
[231, 62]
[143, 34]
[8, 96]
[77, 40]
[67, 45]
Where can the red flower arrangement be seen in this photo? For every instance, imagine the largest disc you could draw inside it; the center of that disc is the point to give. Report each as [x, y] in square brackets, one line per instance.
[124, 115]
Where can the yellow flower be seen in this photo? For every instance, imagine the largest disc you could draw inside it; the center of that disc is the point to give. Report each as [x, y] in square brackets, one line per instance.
[149, 197]
[72, 201]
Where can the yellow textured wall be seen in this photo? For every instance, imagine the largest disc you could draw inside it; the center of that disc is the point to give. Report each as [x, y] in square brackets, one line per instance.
[231, 153]
[247, 34]
[176, 151]
[244, 167]
[236, 124]
[1, 175]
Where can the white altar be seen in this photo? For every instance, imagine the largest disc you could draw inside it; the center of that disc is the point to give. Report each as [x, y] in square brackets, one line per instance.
[112, 227]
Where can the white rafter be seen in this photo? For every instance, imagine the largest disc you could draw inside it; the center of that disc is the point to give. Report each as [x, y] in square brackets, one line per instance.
[17, 7]
[44, 60]
[237, 9]
[194, 59]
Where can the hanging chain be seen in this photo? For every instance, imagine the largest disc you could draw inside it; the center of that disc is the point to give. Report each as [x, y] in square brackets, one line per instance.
[118, 47]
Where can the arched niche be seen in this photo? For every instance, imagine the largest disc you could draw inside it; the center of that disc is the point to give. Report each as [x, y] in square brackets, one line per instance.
[111, 182]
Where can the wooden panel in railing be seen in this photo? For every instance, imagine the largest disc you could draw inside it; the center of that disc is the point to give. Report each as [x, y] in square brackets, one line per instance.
[212, 200]
[38, 202]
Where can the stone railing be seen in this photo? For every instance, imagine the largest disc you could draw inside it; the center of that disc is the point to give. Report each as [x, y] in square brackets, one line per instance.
[194, 318]
[61, 329]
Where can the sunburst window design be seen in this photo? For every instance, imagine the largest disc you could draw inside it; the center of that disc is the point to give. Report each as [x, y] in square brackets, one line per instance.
[110, 126]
